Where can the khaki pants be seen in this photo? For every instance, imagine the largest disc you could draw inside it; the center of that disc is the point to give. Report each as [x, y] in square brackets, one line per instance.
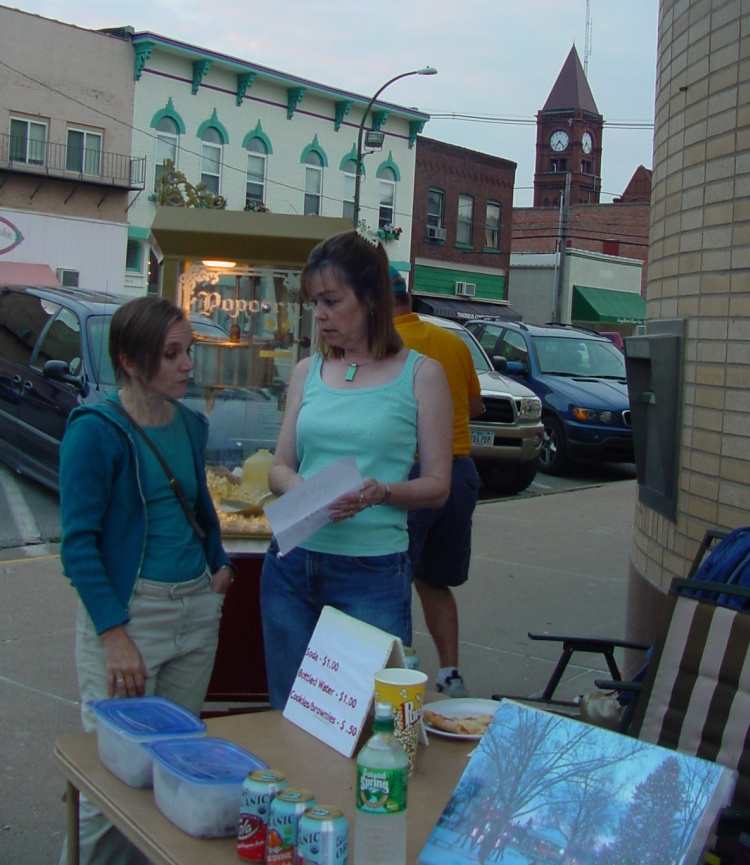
[176, 629]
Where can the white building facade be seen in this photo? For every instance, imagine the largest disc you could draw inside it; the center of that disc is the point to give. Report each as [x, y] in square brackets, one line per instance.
[613, 281]
[66, 173]
[260, 137]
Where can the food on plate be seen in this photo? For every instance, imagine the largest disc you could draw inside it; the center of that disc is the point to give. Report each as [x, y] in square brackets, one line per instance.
[461, 725]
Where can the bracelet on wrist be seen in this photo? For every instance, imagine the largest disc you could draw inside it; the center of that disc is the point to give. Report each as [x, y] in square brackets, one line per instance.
[386, 494]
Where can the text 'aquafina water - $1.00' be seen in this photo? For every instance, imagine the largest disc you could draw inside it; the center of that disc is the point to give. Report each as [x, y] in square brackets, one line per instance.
[382, 778]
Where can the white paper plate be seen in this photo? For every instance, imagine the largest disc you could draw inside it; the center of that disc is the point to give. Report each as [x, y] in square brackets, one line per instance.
[459, 708]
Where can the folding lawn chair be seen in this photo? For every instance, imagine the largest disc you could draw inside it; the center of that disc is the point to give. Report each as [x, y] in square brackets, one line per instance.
[696, 695]
[606, 647]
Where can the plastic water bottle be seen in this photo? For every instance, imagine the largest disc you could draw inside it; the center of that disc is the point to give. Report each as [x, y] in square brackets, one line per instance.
[411, 661]
[382, 778]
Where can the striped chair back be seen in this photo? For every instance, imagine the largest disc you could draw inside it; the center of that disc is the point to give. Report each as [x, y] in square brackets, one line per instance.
[696, 696]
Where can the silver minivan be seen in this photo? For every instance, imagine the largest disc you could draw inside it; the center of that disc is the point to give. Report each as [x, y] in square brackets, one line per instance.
[506, 439]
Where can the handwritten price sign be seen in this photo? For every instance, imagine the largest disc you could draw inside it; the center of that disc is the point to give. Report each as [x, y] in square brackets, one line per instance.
[332, 693]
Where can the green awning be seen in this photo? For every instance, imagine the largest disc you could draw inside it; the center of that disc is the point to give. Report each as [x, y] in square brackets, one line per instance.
[607, 305]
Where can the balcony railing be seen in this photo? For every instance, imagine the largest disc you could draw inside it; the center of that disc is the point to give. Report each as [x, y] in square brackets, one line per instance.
[86, 165]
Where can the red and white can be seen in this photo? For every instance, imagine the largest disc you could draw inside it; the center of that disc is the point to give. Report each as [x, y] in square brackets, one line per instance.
[258, 791]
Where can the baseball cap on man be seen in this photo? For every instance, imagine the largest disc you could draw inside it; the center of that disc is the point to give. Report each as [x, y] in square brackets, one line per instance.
[398, 283]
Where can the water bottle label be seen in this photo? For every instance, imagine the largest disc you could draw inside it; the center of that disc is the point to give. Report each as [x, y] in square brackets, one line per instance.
[381, 791]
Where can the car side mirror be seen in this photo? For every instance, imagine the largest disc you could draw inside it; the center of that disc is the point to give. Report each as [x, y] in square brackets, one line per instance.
[500, 363]
[511, 367]
[58, 370]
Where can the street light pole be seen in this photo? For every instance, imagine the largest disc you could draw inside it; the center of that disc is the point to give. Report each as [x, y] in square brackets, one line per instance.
[427, 70]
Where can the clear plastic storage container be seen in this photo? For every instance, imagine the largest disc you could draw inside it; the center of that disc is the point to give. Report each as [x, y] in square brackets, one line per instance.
[124, 726]
[198, 783]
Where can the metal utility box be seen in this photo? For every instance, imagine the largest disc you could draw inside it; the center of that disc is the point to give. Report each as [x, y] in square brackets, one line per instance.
[654, 368]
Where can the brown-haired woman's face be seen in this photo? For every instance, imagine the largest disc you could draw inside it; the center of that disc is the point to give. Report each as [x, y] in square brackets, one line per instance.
[172, 376]
[341, 318]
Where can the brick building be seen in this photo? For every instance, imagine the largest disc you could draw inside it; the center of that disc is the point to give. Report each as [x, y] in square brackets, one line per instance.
[568, 140]
[461, 230]
[619, 228]
[699, 273]
[569, 143]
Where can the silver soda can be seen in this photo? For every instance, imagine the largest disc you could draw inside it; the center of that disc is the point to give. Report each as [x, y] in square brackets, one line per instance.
[323, 836]
[283, 822]
[258, 790]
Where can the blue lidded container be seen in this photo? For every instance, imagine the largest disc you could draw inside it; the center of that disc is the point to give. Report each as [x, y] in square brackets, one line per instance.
[124, 726]
[198, 783]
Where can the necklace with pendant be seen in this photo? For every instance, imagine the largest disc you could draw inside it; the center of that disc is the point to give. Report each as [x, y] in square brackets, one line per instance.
[351, 370]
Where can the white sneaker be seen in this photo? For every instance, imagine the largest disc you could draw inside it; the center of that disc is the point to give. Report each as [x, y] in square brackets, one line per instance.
[453, 686]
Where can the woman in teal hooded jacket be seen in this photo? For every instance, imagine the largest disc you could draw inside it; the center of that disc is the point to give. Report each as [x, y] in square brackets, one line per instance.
[150, 582]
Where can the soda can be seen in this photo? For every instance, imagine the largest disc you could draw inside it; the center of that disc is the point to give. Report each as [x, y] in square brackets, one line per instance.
[258, 789]
[323, 836]
[283, 822]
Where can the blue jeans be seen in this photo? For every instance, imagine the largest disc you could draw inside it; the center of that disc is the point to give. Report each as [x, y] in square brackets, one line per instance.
[296, 587]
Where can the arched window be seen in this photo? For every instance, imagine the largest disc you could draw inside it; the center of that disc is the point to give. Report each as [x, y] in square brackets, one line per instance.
[350, 177]
[257, 159]
[313, 182]
[387, 196]
[167, 145]
[211, 159]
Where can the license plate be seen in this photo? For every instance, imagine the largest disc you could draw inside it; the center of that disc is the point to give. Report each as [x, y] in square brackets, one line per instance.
[481, 439]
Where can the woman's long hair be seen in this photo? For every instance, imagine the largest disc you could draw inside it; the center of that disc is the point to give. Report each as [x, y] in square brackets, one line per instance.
[364, 267]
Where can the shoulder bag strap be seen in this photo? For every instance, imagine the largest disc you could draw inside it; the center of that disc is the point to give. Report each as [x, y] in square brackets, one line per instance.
[174, 484]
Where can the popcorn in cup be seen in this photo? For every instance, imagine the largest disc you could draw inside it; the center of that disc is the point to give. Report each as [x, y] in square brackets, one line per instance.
[404, 690]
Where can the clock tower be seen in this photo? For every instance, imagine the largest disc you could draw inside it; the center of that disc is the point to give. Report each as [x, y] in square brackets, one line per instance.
[568, 139]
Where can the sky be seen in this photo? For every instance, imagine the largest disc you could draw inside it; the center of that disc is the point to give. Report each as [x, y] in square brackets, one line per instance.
[494, 57]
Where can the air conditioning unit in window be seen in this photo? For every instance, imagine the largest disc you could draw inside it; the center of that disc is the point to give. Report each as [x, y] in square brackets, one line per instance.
[466, 289]
[435, 232]
[67, 278]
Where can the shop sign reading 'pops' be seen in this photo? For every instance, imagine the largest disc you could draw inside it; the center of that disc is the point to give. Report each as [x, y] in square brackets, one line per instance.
[332, 693]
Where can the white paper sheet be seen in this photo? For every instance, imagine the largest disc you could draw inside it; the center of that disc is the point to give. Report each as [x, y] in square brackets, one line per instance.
[304, 509]
[333, 689]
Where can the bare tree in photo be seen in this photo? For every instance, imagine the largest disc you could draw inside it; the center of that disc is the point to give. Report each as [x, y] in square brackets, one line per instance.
[530, 755]
[698, 783]
[580, 808]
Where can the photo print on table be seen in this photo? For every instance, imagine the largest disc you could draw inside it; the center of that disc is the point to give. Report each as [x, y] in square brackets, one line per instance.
[542, 788]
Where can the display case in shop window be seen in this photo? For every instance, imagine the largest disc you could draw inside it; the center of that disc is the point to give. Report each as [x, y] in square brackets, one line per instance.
[251, 328]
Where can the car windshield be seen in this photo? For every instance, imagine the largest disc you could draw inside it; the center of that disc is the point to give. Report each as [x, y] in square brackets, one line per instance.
[98, 336]
[241, 419]
[567, 355]
[479, 358]
[97, 327]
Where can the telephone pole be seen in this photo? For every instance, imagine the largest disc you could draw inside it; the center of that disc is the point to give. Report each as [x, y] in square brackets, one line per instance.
[562, 241]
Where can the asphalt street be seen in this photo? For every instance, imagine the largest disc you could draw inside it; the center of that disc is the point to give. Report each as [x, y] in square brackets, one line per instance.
[29, 512]
[554, 559]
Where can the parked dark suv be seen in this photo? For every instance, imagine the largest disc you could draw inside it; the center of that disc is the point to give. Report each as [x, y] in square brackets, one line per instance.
[54, 356]
[580, 378]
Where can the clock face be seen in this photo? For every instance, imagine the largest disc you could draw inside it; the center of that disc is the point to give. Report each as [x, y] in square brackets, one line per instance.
[587, 142]
[559, 140]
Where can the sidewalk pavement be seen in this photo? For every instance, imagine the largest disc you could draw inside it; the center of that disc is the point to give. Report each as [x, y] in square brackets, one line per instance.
[555, 563]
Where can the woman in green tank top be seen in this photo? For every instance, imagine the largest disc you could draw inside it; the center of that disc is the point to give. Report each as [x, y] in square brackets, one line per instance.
[362, 394]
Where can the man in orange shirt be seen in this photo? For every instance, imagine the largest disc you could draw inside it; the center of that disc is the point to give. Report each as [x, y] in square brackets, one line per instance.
[440, 540]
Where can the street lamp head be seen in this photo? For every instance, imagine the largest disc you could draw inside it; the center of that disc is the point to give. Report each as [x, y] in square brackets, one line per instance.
[428, 70]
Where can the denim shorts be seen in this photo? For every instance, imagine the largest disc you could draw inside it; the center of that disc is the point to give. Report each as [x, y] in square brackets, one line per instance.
[440, 539]
[296, 587]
